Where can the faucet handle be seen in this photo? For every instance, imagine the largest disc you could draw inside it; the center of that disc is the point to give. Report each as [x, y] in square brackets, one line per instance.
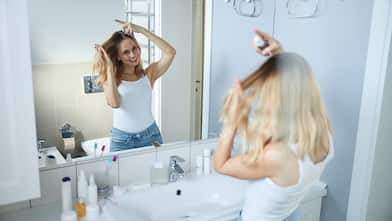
[156, 144]
[40, 143]
[176, 158]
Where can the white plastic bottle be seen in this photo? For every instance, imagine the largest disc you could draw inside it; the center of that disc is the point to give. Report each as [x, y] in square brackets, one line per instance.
[206, 162]
[82, 185]
[67, 214]
[66, 194]
[82, 195]
[199, 165]
[92, 209]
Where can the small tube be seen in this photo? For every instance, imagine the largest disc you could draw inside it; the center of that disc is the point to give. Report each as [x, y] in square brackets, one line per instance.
[207, 161]
[66, 194]
[199, 165]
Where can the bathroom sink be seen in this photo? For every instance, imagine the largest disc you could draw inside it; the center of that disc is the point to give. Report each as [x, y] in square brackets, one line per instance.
[202, 198]
[88, 146]
[50, 156]
[215, 197]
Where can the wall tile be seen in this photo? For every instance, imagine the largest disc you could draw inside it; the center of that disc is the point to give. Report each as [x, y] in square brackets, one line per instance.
[59, 98]
[135, 169]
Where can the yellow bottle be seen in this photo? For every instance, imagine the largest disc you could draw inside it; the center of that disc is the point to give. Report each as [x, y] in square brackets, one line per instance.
[81, 209]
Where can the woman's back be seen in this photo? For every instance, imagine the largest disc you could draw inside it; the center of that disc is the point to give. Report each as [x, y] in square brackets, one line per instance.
[275, 198]
[287, 107]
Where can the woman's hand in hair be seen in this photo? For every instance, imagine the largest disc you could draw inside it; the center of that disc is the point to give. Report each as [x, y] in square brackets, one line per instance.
[102, 53]
[274, 47]
[126, 27]
[236, 107]
[130, 28]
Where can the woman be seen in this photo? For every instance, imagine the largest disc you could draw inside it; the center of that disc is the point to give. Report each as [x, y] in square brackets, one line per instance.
[128, 87]
[285, 133]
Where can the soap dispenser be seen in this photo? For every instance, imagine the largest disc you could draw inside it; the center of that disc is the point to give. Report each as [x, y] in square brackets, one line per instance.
[158, 172]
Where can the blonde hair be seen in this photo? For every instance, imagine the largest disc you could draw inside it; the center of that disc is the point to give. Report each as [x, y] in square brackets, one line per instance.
[111, 46]
[288, 109]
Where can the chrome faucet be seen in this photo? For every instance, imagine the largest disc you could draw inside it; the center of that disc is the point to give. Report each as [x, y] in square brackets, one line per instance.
[40, 144]
[175, 170]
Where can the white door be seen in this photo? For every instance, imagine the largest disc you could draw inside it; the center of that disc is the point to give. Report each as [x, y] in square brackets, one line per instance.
[197, 68]
[19, 174]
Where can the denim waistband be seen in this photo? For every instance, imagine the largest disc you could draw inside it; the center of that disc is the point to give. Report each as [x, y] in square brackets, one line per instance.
[150, 130]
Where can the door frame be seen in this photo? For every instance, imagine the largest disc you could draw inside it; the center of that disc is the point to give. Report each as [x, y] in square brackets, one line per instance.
[371, 106]
[208, 13]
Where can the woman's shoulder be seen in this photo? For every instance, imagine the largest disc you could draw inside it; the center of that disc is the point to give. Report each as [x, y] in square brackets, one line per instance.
[282, 153]
[276, 152]
[276, 148]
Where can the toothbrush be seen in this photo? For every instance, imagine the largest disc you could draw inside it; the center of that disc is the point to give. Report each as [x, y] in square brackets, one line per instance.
[102, 149]
[156, 145]
[112, 159]
[109, 164]
[95, 149]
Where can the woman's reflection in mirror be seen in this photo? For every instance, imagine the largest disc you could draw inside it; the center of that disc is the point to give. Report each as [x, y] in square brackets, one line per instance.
[128, 86]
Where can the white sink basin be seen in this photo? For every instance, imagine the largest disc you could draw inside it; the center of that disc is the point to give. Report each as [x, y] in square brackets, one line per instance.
[204, 198]
[49, 157]
[88, 146]
[214, 197]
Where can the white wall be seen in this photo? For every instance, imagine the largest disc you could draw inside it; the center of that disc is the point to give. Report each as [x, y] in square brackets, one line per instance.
[335, 44]
[380, 194]
[232, 53]
[65, 31]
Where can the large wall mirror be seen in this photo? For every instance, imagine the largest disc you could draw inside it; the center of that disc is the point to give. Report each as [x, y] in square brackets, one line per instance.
[63, 34]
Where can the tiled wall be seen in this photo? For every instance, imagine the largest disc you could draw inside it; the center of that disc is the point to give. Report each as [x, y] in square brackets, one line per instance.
[60, 98]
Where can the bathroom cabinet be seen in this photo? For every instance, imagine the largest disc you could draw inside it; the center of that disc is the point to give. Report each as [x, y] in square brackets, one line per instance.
[50, 181]
[104, 171]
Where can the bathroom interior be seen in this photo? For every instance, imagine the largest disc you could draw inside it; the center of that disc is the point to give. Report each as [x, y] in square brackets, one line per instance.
[55, 130]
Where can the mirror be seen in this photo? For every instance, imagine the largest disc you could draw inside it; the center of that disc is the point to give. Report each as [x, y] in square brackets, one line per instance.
[63, 34]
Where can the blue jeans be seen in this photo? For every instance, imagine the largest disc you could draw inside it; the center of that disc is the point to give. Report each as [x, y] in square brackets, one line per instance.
[122, 140]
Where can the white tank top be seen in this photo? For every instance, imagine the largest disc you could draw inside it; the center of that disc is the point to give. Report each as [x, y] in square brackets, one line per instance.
[267, 201]
[134, 114]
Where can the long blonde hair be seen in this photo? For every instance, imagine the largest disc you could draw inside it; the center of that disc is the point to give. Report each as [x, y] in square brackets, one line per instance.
[287, 108]
[111, 46]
